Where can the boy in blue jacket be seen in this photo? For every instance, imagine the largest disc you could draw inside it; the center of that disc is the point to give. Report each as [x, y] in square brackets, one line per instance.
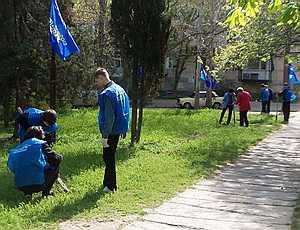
[34, 165]
[36, 117]
[286, 94]
[113, 121]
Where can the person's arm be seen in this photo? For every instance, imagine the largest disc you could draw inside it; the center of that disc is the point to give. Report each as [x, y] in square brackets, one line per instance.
[109, 118]
[52, 157]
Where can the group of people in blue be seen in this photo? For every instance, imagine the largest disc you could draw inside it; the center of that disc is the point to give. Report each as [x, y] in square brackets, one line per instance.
[266, 96]
[33, 162]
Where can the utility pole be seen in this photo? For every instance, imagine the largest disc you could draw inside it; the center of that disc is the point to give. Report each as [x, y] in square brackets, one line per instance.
[53, 81]
[197, 85]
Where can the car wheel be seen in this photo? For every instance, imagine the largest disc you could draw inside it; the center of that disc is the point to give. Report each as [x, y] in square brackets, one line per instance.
[187, 105]
[217, 105]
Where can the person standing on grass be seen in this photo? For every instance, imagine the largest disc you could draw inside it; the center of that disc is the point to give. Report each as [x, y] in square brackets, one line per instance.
[243, 101]
[269, 99]
[286, 94]
[264, 98]
[228, 103]
[113, 118]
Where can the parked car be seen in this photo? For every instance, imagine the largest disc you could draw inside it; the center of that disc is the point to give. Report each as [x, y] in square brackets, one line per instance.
[188, 102]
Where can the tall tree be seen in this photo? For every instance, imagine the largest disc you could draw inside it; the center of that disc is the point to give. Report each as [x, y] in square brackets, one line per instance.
[141, 30]
[261, 37]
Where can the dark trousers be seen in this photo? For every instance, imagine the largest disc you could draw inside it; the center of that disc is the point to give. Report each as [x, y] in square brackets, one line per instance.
[230, 108]
[268, 107]
[286, 105]
[244, 119]
[264, 106]
[50, 177]
[109, 154]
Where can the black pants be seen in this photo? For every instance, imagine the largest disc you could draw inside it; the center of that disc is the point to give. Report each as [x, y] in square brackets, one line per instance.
[268, 106]
[286, 105]
[50, 177]
[244, 118]
[230, 108]
[109, 155]
[264, 106]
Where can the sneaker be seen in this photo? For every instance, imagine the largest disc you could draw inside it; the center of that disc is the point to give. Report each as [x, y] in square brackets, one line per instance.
[28, 196]
[46, 194]
[106, 190]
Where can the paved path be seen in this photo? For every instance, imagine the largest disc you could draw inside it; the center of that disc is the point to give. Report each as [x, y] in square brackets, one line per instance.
[259, 191]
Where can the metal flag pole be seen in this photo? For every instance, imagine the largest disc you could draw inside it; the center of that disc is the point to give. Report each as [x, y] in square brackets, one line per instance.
[277, 99]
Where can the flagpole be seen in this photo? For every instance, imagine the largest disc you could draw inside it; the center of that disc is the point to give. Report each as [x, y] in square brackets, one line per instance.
[53, 81]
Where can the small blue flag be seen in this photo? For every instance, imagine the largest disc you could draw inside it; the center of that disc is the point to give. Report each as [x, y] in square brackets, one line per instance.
[60, 38]
[203, 74]
[293, 98]
[292, 75]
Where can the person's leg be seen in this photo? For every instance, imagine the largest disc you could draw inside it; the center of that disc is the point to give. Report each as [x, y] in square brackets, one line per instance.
[285, 110]
[268, 106]
[230, 108]
[288, 109]
[264, 106]
[30, 189]
[222, 115]
[246, 118]
[241, 119]
[263, 109]
[110, 178]
[51, 176]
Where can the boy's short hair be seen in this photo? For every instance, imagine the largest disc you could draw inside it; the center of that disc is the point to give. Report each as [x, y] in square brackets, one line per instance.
[101, 71]
[50, 116]
[34, 132]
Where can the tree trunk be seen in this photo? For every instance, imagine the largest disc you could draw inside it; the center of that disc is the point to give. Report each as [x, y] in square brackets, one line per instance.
[141, 109]
[53, 81]
[101, 57]
[134, 105]
[208, 102]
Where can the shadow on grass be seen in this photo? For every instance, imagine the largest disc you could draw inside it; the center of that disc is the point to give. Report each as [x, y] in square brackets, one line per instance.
[62, 211]
[75, 164]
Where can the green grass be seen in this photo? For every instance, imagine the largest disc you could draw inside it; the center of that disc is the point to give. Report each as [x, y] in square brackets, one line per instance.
[296, 218]
[177, 148]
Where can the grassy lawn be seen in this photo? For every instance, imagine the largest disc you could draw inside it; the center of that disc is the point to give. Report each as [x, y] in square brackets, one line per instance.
[296, 219]
[177, 148]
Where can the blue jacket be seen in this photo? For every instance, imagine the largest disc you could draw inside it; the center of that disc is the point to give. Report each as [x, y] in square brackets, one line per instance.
[287, 94]
[113, 107]
[27, 162]
[264, 94]
[34, 118]
[229, 99]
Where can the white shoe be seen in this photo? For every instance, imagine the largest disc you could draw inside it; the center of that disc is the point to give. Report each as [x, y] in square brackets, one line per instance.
[106, 190]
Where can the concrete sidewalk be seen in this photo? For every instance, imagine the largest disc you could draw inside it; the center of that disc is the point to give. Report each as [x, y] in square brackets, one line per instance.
[258, 191]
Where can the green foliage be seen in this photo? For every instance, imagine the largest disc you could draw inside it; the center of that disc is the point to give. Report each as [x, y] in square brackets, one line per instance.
[140, 31]
[288, 12]
[179, 147]
[259, 39]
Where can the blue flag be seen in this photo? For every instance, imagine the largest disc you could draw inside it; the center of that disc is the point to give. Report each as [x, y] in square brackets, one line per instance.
[203, 74]
[210, 81]
[60, 38]
[292, 75]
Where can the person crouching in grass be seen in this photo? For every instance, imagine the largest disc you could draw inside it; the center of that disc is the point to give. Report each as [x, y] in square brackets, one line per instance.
[34, 164]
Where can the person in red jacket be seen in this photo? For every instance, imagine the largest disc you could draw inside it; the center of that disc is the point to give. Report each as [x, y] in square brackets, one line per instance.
[243, 101]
